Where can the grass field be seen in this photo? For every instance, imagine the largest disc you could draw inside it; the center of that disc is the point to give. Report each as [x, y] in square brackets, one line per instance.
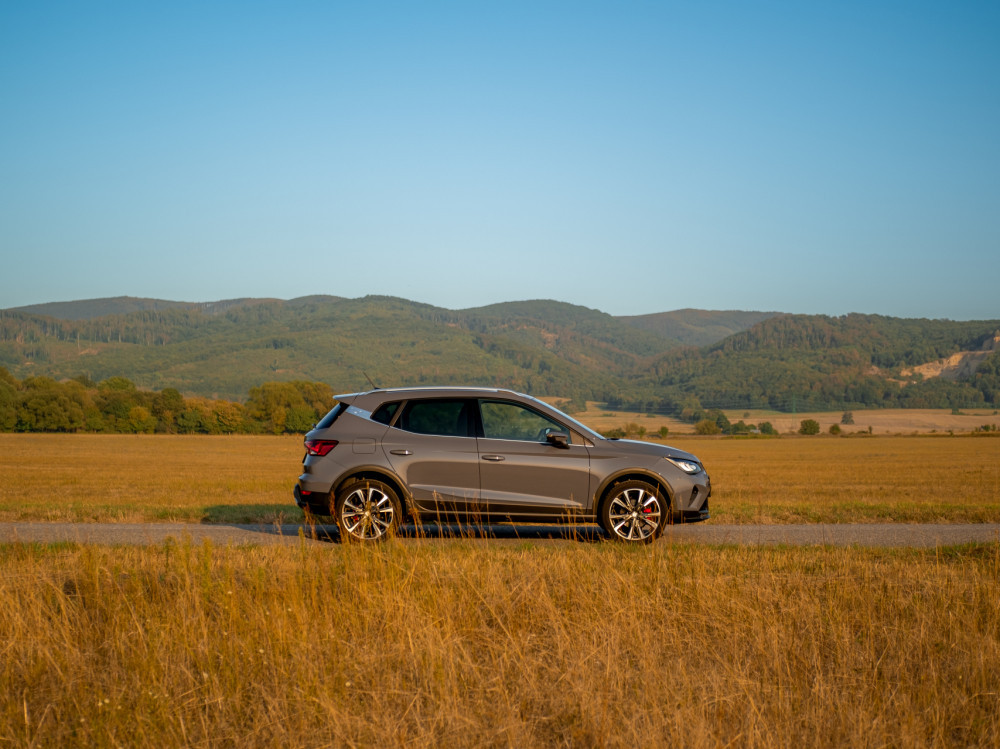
[249, 479]
[882, 421]
[457, 644]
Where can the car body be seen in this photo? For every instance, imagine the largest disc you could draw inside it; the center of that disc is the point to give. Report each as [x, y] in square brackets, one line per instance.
[384, 457]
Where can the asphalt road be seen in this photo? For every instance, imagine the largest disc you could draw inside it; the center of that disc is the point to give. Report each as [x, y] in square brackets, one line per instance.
[867, 534]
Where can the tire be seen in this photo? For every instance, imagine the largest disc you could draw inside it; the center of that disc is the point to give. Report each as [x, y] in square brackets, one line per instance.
[634, 512]
[367, 511]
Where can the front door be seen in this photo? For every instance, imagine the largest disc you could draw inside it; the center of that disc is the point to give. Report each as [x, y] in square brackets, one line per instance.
[522, 475]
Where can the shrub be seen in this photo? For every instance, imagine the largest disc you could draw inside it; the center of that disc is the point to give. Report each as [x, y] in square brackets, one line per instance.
[707, 426]
[809, 426]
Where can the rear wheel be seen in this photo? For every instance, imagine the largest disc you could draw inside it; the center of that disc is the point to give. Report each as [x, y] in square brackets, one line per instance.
[634, 512]
[367, 511]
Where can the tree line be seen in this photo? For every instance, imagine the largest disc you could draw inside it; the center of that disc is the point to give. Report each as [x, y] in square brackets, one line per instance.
[116, 405]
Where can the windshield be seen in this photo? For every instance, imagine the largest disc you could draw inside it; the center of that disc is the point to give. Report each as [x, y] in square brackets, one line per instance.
[582, 428]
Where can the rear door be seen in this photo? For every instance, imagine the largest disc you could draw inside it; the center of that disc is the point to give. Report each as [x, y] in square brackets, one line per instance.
[432, 448]
[521, 473]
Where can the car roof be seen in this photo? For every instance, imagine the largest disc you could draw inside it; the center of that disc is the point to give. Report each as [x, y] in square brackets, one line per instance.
[401, 393]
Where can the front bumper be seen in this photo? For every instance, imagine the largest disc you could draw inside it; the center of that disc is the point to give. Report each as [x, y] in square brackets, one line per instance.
[694, 501]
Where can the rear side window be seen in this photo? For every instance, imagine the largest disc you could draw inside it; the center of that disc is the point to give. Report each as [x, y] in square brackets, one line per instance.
[327, 421]
[384, 413]
[447, 418]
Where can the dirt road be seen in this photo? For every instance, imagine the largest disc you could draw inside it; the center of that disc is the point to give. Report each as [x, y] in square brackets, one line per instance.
[874, 534]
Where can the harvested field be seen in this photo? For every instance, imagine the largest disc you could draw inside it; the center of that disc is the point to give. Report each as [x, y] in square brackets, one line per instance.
[893, 421]
[118, 478]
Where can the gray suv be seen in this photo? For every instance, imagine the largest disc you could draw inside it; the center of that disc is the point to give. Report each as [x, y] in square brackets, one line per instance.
[385, 457]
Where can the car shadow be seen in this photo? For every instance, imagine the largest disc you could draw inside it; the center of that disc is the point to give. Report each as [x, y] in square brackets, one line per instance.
[271, 514]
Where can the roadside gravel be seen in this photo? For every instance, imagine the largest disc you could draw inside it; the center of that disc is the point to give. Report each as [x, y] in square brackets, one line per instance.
[862, 534]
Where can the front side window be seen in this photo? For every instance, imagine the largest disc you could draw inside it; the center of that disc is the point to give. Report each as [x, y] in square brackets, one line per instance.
[512, 421]
[448, 418]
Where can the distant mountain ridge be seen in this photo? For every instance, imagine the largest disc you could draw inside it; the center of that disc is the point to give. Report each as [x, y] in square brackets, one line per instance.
[88, 309]
[667, 361]
[224, 348]
[698, 327]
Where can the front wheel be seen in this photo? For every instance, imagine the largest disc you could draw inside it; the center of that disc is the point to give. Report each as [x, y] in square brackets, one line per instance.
[634, 512]
[367, 511]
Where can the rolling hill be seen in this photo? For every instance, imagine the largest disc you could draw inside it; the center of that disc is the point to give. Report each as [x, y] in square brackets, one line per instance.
[223, 349]
[815, 362]
[697, 327]
[746, 359]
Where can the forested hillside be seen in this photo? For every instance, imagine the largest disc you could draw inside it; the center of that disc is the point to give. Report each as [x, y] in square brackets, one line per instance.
[784, 362]
[697, 327]
[814, 362]
[542, 347]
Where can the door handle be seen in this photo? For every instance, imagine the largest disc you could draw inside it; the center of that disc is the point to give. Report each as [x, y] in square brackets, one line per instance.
[494, 458]
[401, 452]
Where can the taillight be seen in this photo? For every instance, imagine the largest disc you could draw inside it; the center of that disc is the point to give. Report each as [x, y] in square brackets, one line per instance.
[320, 447]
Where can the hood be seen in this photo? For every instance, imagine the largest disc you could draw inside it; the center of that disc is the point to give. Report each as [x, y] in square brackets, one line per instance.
[636, 447]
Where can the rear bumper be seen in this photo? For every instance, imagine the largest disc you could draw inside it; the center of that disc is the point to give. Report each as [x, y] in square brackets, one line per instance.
[315, 502]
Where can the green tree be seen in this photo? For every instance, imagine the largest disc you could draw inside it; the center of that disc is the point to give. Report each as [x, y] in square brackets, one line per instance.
[117, 383]
[8, 400]
[283, 406]
[765, 427]
[191, 421]
[300, 419]
[229, 416]
[740, 427]
[141, 420]
[707, 426]
[809, 426]
[47, 406]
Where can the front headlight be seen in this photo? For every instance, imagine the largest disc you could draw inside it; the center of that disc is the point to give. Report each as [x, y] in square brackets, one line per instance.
[688, 466]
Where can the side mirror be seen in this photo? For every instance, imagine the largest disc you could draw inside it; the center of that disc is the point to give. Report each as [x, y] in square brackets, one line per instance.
[558, 439]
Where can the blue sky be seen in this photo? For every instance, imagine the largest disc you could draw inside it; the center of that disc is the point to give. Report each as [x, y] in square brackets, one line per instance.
[630, 157]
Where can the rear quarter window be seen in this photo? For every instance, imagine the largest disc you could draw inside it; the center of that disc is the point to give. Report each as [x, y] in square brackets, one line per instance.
[384, 413]
[331, 416]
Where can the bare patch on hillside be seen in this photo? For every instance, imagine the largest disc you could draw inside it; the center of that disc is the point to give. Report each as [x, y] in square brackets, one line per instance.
[957, 366]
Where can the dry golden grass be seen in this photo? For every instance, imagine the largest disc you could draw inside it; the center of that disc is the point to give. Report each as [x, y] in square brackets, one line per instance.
[871, 479]
[249, 479]
[455, 644]
[109, 478]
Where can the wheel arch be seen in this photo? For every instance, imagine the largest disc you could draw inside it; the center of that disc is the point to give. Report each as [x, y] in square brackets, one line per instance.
[604, 490]
[376, 473]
